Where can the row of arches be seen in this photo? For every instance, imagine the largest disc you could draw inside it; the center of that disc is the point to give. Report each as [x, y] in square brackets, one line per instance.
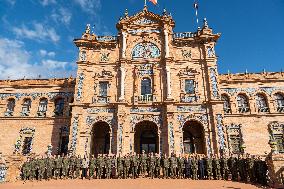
[261, 100]
[42, 107]
[146, 138]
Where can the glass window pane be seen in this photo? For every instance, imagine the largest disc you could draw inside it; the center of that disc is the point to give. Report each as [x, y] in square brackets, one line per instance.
[103, 89]
[189, 86]
[146, 87]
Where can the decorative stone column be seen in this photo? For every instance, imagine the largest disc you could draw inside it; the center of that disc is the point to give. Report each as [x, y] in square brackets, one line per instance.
[122, 82]
[167, 50]
[169, 91]
[124, 34]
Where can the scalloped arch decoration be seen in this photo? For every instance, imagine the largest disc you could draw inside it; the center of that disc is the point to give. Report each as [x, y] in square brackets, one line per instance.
[145, 50]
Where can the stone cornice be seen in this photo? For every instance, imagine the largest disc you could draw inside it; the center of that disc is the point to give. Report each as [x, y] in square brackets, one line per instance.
[64, 82]
[251, 77]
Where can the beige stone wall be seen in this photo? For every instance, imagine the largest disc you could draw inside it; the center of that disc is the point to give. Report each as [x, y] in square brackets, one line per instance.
[46, 129]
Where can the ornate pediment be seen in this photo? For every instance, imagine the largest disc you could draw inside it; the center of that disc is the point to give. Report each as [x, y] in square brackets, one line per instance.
[104, 74]
[146, 18]
[187, 72]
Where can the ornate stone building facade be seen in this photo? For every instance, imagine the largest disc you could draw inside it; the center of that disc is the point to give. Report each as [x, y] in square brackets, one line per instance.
[147, 88]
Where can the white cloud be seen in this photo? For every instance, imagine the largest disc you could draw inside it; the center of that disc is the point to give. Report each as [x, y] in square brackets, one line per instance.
[44, 53]
[90, 6]
[39, 32]
[15, 63]
[47, 2]
[53, 64]
[62, 15]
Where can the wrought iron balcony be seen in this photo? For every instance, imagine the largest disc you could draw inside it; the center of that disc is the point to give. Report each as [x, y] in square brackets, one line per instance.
[25, 113]
[263, 109]
[243, 109]
[106, 38]
[280, 109]
[8, 113]
[41, 114]
[227, 110]
[183, 35]
[145, 98]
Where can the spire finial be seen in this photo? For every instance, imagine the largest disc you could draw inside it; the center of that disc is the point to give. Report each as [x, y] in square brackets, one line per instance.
[126, 13]
[88, 29]
[205, 23]
[164, 12]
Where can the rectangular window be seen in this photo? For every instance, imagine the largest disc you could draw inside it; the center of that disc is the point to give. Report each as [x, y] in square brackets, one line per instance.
[235, 142]
[27, 145]
[279, 142]
[103, 89]
[189, 86]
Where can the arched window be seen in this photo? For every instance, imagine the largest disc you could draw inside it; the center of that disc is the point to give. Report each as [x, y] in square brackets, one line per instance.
[59, 107]
[146, 90]
[226, 105]
[243, 104]
[26, 107]
[261, 103]
[42, 107]
[279, 100]
[10, 107]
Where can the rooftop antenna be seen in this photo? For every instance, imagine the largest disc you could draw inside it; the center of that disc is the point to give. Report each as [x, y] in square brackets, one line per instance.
[195, 6]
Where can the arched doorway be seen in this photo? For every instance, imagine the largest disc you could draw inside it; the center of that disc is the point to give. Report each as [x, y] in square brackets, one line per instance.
[100, 138]
[193, 138]
[146, 137]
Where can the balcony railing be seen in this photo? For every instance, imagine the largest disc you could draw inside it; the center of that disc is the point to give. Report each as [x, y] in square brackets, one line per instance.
[145, 98]
[183, 35]
[243, 109]
[280, 109]
[263, 109]
[227, 110]
[106, 38]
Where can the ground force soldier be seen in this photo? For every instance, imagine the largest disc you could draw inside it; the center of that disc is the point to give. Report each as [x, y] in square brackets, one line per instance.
[224, 168]
[78, 162]
[49, 166]
[126, 166]
[173, 166]
[152, 165]
[41, 168]
[119, 167]
[26, 170]
[209, 168]
[108, 166]
[58, 166]
[194, 167]
[165, 165]
[143, 163]
[158, 165]
[216, 167]
[134, 165]
[65, 166]
[92, 167]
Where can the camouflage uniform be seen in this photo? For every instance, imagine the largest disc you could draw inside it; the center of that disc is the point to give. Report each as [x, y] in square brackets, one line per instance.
[49, 166]
[65, 166]
[72, 166]
[158, 166]
[209, 168]
[173, 165]
[26, 170]
[134, 165]
[92, 168]
[194, 167]
[152, 166]
[126, 166]
[216, 168]
[108, 166]
[143, 164]
[58, 166]
[77, 167]
[119, 167]
[41, 169]
[165, 165]
[100, 165]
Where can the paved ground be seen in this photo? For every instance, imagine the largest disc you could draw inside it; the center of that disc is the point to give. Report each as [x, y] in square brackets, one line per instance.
[128, 184]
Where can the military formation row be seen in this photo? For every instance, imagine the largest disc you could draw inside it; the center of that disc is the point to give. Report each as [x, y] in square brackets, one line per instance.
[246, 169]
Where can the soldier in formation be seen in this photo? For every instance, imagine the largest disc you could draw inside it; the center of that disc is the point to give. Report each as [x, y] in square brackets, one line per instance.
[244, 168]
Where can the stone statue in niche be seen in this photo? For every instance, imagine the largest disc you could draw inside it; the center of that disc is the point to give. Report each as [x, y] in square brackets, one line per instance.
[105, 56]
[186, 53]
[210, 52]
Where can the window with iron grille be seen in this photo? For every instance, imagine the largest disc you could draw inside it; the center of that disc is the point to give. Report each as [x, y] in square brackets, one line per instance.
[146, 87]
[189, 86]
[103, 88]
[42, 105]
[26, 106]
[11, 105]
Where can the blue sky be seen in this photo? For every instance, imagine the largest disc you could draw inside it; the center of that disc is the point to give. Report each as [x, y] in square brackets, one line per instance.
[36, 35]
